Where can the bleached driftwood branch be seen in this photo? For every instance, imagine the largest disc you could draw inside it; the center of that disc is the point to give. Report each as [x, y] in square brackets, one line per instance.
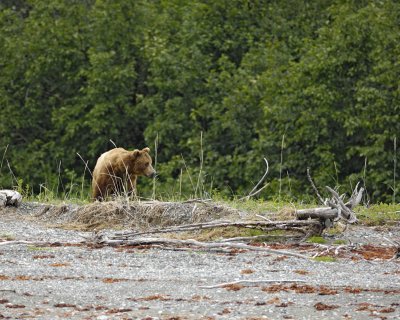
[197, 244]
[345, 210]
[13, 242]
[321, 200]
[34, 243]
[10, 198]
[261, 237]
[248, 283]
[335, 207]
[254, 191]
[263, 225]
[356, 197]
[101, 240]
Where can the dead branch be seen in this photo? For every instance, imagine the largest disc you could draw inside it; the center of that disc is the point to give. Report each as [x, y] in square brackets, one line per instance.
[328, 249]
[172, 248]
[321, 200]
[258, 238]
[262, 217]
[337, 208]
[6, 243]
[195, 243]
[396, 245]
[254, 191]
[32, 243]
[154, 202]
[392, 242]
[343, 211]
[355, 198]
[248, 283]
[264, 225]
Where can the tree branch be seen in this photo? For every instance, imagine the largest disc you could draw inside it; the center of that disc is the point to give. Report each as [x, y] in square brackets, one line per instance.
[195, 243]
[254, 191]
[248, 283]
[220, 224]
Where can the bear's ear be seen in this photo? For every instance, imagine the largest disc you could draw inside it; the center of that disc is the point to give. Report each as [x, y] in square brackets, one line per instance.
[146, 150]
[135, 153]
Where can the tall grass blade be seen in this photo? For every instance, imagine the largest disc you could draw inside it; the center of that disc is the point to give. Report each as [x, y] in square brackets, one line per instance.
[394, 168]
[199, 177]
[155, 166]
[280, 167]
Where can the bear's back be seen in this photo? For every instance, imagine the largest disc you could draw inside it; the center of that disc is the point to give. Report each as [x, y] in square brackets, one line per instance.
[113, 158]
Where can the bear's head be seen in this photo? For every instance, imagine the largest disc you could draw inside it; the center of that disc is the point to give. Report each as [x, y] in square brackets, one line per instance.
[142, 163]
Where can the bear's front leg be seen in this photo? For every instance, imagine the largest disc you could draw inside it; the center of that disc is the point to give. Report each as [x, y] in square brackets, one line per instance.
[99, 187]
[132, 184]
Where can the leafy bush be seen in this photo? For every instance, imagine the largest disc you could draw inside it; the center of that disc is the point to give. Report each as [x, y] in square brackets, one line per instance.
[222, 84]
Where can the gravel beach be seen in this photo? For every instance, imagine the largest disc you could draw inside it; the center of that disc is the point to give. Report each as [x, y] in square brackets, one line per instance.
[78, 281]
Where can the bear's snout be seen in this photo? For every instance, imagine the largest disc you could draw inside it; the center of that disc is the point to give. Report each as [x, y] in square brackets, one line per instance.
[152, 174]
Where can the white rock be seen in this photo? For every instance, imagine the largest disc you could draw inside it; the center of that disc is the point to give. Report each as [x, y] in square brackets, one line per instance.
[10, 198]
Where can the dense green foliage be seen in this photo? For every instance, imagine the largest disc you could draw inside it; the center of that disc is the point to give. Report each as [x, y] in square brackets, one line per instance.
[219, 85]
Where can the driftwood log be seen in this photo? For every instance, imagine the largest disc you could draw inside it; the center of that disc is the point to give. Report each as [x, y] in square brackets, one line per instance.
[335, 208]
[10, 198]
[316, 213]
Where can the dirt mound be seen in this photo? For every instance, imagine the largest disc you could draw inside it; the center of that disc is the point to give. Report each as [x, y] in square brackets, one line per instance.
[128, 214]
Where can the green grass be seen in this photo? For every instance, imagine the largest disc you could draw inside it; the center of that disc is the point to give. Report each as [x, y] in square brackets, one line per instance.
[316, 239]
[34, 248]
[339, 242]
[78, 192]
[325, 259]
[379, 214]
[6, 236]
[375, 215]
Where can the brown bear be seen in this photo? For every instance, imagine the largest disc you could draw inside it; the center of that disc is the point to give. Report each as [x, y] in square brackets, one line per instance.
[116, 172]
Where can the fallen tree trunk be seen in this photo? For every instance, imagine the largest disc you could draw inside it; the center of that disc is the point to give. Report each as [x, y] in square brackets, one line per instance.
[317, 213]
[335, 207]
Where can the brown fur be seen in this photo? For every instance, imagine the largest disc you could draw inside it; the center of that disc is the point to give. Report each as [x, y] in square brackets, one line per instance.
[116, 171]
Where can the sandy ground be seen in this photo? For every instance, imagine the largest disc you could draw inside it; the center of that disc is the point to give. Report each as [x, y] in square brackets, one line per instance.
[77, 281]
